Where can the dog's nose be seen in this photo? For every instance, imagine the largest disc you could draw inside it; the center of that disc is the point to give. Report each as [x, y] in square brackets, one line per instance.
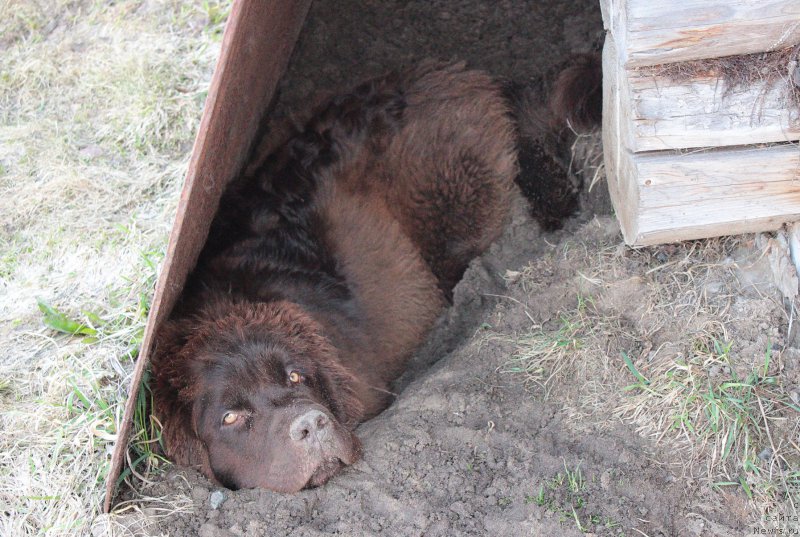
[311, 424]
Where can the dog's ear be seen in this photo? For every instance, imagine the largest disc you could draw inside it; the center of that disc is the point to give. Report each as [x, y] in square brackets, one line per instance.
[182, 444]
[174, 391]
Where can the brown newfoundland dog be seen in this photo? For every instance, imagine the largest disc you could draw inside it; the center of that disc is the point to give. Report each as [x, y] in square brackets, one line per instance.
[325, 268]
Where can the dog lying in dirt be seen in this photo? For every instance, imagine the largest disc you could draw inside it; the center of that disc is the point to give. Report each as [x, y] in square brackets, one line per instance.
[324, 270]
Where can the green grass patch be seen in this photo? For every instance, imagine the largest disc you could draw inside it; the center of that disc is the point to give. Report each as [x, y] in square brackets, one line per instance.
[728, 412]
[733, 417]
[566, 495]
[549, 352]
[145, 447]
[60, 322]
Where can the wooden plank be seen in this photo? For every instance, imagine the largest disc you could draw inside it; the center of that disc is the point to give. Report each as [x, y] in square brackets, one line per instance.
[661, 113]
[624, 193]
[711, 193]
[669, 196]
[258, 40]
[750, 225]
[651, 33]
[657, 112]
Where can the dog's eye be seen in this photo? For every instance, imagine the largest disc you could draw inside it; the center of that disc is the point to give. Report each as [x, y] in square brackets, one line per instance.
[295, 377]
[230, 418]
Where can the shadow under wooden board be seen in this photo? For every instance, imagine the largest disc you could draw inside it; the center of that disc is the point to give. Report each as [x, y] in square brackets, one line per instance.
[258, 40]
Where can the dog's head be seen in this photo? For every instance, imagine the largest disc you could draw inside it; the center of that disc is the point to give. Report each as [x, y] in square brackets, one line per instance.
[255, 396]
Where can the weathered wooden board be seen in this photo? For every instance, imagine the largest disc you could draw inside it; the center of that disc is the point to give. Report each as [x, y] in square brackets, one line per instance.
[649, 32]
[668, 196]
[258, 40]
[623, 190]
[714, 193]
[658, 112]
[672, 197]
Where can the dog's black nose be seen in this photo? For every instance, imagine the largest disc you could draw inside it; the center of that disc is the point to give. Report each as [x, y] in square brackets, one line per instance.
[312, 424]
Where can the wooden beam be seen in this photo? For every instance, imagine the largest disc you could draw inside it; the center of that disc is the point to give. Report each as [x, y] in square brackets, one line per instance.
[651, 33]
[667, 196]
[258, 40]
[623, 191]
[660, 113]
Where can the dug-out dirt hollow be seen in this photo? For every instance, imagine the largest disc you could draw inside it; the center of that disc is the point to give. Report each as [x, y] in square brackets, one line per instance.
[475, 444]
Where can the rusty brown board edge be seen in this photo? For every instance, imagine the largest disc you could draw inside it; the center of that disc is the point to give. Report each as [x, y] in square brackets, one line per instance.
[258, 40]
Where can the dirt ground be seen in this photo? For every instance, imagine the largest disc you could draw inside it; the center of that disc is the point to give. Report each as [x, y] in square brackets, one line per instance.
[574, 387]
[467, 448]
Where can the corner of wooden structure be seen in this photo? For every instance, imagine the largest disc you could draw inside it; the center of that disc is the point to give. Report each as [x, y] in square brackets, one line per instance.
[624, 195]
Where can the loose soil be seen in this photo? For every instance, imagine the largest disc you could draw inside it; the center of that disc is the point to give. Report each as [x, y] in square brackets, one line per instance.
[471, 445]
[471, 449]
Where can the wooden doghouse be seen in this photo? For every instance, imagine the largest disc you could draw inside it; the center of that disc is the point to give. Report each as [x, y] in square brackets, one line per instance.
[697, 145]
[245, 78]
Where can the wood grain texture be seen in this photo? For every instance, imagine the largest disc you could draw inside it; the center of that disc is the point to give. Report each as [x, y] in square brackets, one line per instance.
[651, 33]
[258, 40]
[710, 193]
[660, 113]
[623, 191]
[669, 196]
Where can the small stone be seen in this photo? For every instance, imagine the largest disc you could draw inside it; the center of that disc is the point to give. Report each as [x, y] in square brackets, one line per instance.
[199, 493]
[714, 287]
[91, 152]
[210, 530]
[460, 509]
[216, 499]
[766, 454]
[794, 395]
[606, 479]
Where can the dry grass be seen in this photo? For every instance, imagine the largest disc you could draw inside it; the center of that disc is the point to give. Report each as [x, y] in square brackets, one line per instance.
[767, 68]
[98, 107]
[586, 153]
[671, 340]
[548, 354]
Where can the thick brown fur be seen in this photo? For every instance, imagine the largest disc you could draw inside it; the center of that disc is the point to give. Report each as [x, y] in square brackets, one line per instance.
[576, 98]
[547, 128]
[325, 267]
